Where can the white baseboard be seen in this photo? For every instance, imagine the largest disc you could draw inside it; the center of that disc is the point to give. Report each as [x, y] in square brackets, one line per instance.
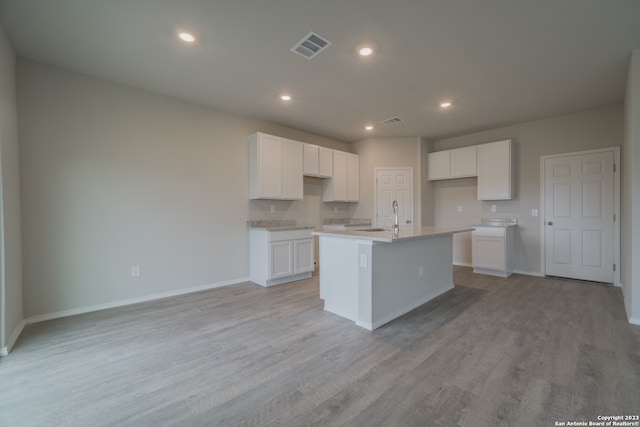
[120, 303]
[4, 351]
[524, 272]
[529, 273]
[634, 320]
[462, 264]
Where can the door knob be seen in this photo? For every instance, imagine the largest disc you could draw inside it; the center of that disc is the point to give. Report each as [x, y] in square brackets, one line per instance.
[550, 223]
[408, 221]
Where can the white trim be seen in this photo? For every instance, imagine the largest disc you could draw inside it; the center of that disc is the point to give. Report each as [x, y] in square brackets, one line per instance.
[120, 303]
[616, 206]
[529, 273]
[375, 192]
[4, 351]
[463, 264]
[634, 320]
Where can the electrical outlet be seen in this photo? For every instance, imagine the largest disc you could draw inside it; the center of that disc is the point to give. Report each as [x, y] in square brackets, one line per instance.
[273, 208]
[363, 260]
[459, 208]
[135, 271]
[335, 209]
[494, 208]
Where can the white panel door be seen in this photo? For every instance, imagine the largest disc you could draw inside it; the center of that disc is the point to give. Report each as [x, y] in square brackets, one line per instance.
[270, 166]
[292, 178]
[303, 260]
[394, 184]
[579, 222]
[339, 176]
[280, 259]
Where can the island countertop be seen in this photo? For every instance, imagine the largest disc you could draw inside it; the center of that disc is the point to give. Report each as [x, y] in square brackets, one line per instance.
[387, 234]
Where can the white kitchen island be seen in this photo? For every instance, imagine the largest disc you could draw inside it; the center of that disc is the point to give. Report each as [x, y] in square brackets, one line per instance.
[373, 277]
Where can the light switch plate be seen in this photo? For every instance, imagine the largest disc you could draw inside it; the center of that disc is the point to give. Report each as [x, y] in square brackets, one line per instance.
[494, 208]
[534, 212]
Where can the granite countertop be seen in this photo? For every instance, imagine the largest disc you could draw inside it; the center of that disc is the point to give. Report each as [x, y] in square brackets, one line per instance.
[497, 222]
[277, 225]
[387, 234]
[348, 222]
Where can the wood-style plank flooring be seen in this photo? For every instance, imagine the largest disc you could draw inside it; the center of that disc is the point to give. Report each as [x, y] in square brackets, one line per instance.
[522, 351]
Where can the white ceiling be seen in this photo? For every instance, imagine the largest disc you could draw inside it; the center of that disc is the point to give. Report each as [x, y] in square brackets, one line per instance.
[499, 61]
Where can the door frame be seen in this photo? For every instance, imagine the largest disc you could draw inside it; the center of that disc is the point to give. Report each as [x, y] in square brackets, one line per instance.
[616, 207]
[409, 169]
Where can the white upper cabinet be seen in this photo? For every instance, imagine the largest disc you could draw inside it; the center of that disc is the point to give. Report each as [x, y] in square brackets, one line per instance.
[463, 162]
[311, 161]
[457, 163]
[318, 161]
[275, 168]
[439, 165]
[325, 162]
[353, 177]
[494, 170]
[344, 186]
[292, 182]
[490, 162]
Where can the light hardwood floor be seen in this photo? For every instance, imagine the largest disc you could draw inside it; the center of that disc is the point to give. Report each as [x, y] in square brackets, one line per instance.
[522, 351]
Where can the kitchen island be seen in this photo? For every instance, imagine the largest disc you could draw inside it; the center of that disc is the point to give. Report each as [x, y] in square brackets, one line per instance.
[373, 277]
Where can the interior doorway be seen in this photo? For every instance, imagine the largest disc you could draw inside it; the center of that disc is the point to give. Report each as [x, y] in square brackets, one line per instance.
[580, 229]
[393, 184]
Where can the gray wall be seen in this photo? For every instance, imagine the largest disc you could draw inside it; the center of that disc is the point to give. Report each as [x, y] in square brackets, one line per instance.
[598, 128]
[10, 240]
[387, 152]
[630, 273]
[114, 177]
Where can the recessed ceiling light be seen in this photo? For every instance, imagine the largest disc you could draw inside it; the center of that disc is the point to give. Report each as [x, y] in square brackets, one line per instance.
[285, 97]
[445, 104]
[365, 51]
[186, 37]
[368, 127]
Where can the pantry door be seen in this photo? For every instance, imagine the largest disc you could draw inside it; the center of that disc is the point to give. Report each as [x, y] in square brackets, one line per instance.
[394, 184]
[579, 208]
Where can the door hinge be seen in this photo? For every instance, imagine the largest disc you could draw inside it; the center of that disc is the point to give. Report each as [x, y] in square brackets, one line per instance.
[614, 167]
[614, 217]
[614, 267]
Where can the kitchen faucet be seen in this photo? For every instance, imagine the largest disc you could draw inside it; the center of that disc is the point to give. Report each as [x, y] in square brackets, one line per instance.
[394, 206]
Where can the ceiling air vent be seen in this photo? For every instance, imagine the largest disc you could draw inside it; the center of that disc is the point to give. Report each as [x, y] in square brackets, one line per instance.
[311, 45]
[391, 121]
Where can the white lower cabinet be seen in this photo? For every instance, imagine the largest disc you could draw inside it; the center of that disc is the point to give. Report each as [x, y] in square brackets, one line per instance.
[492, 250]
[280, 256]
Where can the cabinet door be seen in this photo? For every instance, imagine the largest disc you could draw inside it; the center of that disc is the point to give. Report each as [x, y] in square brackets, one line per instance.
[266, 165]
[494, 170]
[439, 164]
[303, 256]
[488, 252]
[353, 178]
[311, 160]
[325, 162]
[292, 180]
[339, 176]
[463, 162]
[280, 259]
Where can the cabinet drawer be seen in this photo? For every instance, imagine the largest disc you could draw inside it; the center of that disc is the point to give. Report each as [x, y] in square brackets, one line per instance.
[489, 231]
[277, 236]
